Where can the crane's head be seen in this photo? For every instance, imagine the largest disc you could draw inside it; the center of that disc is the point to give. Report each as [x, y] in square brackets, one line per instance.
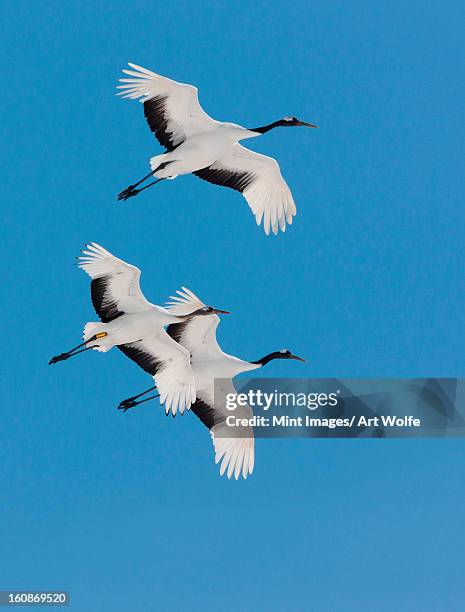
[285, 122]
[286, 354]
[282, 354]
[294, 122]
[208, 310]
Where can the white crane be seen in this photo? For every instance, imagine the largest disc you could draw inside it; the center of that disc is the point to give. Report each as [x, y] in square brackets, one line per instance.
[209, 362]
[195, 143]
[136, 327]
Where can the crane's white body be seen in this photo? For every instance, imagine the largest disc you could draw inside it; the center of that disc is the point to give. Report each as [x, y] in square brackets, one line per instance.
[132, 323]
[217, 367]
[128, 328]
[201, 150]
[196, 143]
[210, 364]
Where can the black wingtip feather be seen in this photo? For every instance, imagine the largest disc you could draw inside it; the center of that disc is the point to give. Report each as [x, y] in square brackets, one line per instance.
[226, 178]
[157, 118]
[106, 308]
[143, 359]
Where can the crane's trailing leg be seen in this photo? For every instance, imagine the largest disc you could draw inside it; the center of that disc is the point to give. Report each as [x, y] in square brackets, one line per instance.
[131, 191]
[132, 401]
[125, 195]
[74, 351]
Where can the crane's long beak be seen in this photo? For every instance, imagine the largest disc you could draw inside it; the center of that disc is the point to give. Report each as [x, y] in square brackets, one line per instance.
[217, 311]
[310, 125]
[297, 358]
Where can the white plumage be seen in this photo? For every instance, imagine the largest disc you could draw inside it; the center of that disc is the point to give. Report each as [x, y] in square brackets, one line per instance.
[196, 143]
[130, 322]
[210, 363]
[214, 371]
[267, 194]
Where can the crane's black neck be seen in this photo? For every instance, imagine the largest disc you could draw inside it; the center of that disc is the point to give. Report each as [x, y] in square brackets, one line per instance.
[267, 358]
[270, 126]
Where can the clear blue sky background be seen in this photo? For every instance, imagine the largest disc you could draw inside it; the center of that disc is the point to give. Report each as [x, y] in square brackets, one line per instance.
[128, 512]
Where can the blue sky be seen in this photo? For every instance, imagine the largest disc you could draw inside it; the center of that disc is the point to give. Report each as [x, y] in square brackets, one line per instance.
[127, 512]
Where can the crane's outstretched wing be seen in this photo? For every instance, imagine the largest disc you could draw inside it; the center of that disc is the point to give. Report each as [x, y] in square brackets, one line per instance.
[259, 179]
[172, 109]
[169, 364]
[115, 288]
[236, 453]
[197, 335]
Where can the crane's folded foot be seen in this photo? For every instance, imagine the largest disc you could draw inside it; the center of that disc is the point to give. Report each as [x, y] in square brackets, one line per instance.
[127, 193]
[60, 357]
[126, 404]
[130, 402]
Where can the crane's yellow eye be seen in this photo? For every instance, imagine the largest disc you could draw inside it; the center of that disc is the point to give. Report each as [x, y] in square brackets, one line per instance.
[101, 335]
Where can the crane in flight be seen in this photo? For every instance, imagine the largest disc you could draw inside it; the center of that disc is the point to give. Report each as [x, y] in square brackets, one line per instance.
[209, 363]
[197, 144]
[137, 327]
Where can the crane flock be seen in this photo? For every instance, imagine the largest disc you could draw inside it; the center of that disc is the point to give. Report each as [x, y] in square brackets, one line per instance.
[176, 344]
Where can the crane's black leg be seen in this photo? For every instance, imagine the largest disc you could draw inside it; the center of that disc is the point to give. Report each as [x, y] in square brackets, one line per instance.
[140, 394]
[132, 401]
[134, 397]
[125, 195]
[131, 191]
[74, 351]
[64, 356]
